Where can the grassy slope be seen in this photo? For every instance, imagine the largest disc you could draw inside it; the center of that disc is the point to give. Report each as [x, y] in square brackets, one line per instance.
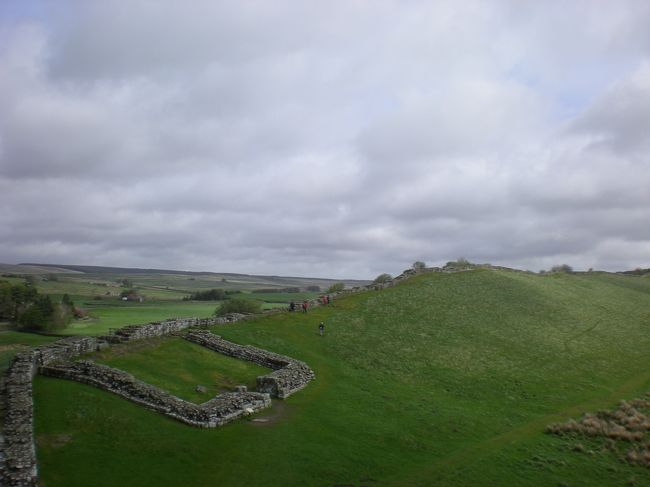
[446, 379]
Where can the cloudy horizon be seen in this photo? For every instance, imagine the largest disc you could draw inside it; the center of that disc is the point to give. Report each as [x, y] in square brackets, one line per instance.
[338, 140]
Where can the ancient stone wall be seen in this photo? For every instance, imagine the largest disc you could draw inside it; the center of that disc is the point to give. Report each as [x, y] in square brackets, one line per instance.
[17, 450]
[288, 376]
[215, 412]
[160, 328]
[66, 349]
[18, 459]
[18, 467]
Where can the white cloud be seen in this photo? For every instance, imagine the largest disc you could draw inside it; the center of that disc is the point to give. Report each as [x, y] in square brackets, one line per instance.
[340, 140]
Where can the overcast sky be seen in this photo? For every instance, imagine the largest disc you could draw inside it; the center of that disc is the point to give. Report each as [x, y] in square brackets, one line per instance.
[328, 139]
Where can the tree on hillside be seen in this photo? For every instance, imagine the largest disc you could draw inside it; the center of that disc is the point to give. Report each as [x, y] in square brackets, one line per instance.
[25, 308]
[6, 301]
[562, 268]
[208, 295]
[239, 305]
[336, 287]
[383, 278]
[127, 283]
[16, 298]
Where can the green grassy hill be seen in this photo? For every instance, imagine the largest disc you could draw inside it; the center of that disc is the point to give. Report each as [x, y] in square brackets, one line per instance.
[446, 379]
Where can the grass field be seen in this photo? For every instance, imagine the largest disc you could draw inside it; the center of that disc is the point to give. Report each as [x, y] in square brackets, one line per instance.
[447, 379]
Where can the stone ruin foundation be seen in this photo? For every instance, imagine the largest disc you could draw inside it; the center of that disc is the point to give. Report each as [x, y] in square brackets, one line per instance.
[18, 467]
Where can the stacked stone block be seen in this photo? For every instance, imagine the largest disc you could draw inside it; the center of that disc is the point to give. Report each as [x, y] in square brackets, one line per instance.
[288, 376]
[166, 327]
[18, 467]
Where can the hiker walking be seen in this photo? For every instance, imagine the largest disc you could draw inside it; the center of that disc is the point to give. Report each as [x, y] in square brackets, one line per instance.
[292, 306]
[304, 306]
[321, 328]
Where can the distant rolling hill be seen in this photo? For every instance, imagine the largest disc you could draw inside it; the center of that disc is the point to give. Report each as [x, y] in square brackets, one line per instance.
[35, 269]
[260, 280]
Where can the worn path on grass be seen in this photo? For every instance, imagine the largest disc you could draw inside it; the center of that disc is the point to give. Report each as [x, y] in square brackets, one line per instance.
[634, 386]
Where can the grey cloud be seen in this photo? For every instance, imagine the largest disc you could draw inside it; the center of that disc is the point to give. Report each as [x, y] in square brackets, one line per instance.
[619, 120]
[340, 141]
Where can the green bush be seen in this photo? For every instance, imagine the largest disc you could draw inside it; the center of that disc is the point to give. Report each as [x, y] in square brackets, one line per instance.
[209, 295]
[239, 305]
[336, 287]
[562, 268]
[382, 278]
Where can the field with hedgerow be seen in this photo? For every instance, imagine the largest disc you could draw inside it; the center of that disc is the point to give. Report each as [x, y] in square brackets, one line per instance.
[446, 379]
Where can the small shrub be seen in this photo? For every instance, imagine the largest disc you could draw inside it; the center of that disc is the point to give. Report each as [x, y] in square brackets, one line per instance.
[336, 287]
[383, 278]
[562, 268]
[239, 305]
[208, 295]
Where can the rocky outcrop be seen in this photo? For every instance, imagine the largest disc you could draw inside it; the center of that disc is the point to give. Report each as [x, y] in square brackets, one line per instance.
[215, 412]
[288, 376]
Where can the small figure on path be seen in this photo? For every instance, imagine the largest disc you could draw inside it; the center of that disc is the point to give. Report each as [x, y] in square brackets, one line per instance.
[321, 328]
[292, 306]
[304, 306]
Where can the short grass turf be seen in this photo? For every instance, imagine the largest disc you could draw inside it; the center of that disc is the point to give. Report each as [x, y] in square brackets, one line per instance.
[178, 366]
[107, 317]
[446, 379]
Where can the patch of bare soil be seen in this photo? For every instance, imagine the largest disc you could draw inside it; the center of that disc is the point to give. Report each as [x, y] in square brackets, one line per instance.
[276, 413]
[53, 441]
[127, 348]
[626, 429]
